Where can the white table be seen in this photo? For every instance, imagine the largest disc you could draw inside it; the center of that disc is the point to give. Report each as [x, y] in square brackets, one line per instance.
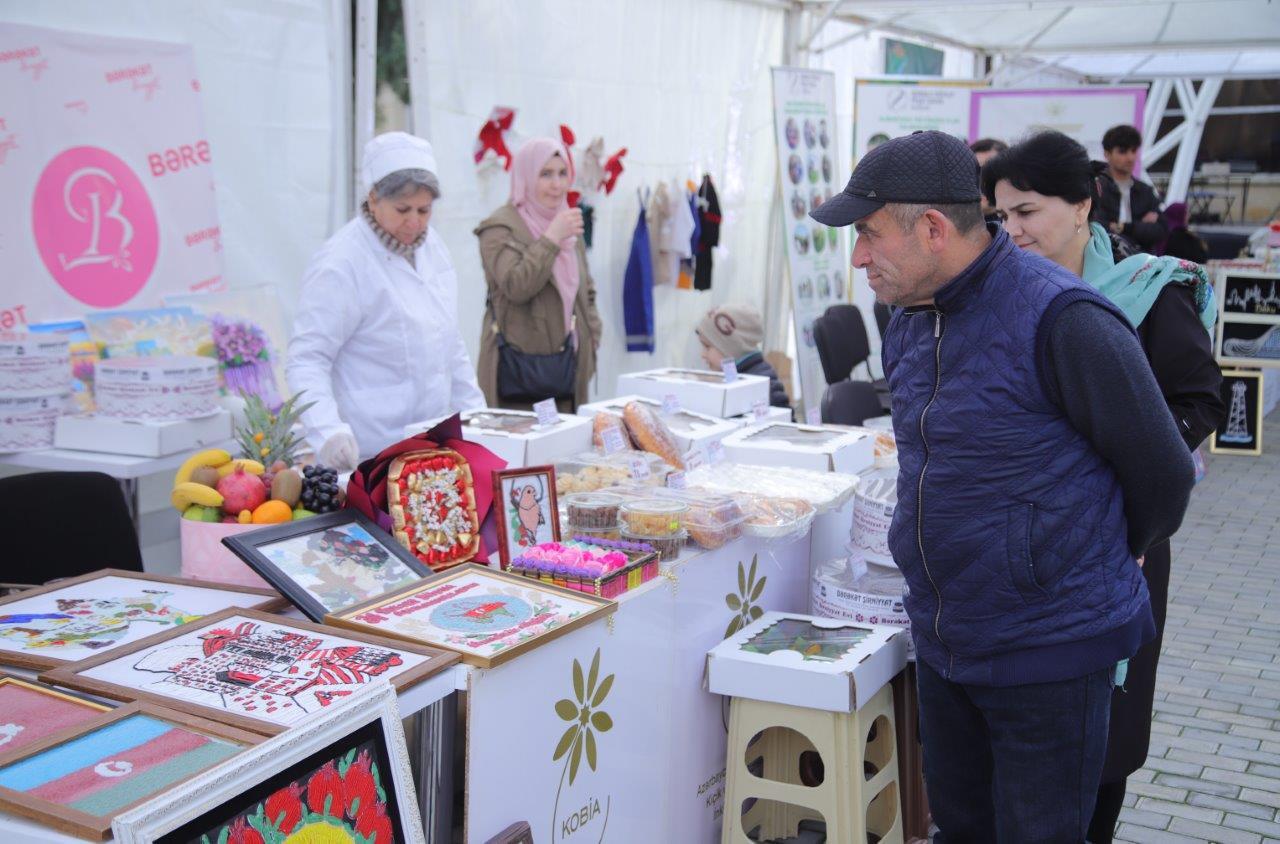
[125, 468]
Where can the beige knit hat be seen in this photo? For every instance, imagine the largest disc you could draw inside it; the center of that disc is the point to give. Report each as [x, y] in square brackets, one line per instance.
[734, 330]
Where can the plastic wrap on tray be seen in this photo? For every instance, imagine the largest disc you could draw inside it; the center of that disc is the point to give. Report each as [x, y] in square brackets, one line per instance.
[823, 490]
[712, 519]
[590, 471]
[773, 517]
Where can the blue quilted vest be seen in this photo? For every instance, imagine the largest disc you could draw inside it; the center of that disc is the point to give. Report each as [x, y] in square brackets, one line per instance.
[1010, 528]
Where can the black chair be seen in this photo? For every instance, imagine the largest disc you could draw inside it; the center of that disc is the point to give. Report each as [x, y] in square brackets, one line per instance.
[851, 403]
[840, 336]
[63, 524]
[883, 314]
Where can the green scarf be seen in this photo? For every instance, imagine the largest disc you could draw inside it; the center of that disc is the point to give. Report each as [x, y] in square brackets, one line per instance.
[1133, 284]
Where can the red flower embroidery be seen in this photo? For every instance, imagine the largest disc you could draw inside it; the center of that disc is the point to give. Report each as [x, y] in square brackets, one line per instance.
[242, 833]
[325, 783]
[359, 785]
[375, 826]
[287, 802]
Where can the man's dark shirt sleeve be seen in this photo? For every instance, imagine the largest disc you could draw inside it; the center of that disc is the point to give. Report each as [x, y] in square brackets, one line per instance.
[1097, 373]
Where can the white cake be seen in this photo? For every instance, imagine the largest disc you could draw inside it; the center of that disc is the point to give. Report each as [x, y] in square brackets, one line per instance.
[157, 388]
[34, 363]
[27, 420]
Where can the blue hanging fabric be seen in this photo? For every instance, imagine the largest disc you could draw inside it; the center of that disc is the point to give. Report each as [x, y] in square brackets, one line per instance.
[637, 289]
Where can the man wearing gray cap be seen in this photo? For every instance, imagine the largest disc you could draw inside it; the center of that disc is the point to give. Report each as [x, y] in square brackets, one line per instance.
[1036, 465]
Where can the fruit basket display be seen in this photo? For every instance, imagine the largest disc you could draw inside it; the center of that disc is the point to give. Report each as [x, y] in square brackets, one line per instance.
[431, 499]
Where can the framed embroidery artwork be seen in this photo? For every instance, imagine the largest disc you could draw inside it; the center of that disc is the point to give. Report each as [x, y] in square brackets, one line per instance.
[527, 511]
[485, 615]
[77, 781]
[342, 777]
[328, 562]
[256, 671]
[32, 711]
[85, 616]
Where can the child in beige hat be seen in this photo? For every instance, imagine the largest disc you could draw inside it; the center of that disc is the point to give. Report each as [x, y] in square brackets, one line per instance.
[735, 332]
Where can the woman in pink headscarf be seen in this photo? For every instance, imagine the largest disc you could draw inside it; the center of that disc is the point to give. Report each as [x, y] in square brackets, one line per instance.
[541, 329]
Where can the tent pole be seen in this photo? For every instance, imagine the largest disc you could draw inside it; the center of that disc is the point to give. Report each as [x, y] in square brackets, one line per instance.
[1157, 105]
[366, 84]
[1184, 164]
[415, 47]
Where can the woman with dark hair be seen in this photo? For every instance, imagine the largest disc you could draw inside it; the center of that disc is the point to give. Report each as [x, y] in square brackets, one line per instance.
[1044, 190]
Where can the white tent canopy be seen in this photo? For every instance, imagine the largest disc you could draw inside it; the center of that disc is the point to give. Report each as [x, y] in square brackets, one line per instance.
[1094, 38]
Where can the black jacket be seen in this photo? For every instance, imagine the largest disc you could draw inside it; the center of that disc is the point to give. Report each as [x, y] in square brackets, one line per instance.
[1142, 200]
[754, 363]
[1181, 355]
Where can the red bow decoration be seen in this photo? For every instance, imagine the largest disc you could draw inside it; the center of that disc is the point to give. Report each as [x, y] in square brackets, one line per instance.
[367, 489]
[612, 170]
[493, 135]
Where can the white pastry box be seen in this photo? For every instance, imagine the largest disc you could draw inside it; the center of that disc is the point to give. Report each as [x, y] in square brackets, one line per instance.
[516, 436]
[769, 413]
[90, 432]
[804, 660]
[699, 390]
[691, 430]
[817, 447]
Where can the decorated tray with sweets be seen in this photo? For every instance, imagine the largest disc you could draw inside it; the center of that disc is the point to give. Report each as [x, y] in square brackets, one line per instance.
[598, 567]
[431, 498]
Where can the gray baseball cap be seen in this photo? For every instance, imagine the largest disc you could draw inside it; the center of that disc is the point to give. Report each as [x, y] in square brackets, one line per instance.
[923, 168]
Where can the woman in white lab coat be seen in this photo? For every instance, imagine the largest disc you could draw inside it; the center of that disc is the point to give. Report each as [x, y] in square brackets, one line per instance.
[375, 337]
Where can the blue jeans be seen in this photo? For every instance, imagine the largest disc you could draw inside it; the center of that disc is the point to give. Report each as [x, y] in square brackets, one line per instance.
[1014, 763]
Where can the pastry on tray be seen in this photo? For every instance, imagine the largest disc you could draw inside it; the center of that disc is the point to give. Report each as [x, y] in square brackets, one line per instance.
[650, 433]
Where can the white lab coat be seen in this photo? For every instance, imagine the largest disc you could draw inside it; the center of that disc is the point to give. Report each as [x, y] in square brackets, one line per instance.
[376, 342]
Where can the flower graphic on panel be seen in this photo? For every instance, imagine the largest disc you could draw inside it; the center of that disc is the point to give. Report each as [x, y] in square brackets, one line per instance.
[585, 715]
[744, 601]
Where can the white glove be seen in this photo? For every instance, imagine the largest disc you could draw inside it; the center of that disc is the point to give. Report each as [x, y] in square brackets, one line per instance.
[340, 452]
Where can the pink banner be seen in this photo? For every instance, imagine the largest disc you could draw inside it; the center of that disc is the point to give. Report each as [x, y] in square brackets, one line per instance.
[106, 175]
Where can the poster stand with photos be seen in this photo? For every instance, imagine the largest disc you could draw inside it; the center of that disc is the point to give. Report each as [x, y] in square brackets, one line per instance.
[487, 616]
[356, 749]
[86, 616]
[255, 671]
[1240, 432]
[1248, 329]
[138, 750]
[327, 562]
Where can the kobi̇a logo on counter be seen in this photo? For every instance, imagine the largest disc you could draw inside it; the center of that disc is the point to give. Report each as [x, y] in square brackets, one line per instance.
[95, 227]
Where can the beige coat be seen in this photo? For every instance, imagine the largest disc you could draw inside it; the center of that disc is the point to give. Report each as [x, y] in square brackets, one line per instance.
[524, 304]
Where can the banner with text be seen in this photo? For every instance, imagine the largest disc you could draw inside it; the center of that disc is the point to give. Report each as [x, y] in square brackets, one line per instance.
[106, 177]
[885, 109]
[804, 108]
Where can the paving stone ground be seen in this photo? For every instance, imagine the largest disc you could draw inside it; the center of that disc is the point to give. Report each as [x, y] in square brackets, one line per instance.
[1214, 769]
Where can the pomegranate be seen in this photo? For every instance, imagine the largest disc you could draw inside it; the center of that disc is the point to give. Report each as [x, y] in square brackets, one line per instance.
[241, 491]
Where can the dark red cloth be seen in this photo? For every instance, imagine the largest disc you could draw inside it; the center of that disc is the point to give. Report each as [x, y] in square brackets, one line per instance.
[367, 489]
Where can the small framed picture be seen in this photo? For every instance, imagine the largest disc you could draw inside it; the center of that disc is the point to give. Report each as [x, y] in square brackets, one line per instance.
[528, 514]
[78, 779]
[1241, 431]
[343, 776]
[328, 562]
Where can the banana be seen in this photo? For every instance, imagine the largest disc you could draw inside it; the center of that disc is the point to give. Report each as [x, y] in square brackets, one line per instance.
[252, 467]
[208, 457]
[188, 493]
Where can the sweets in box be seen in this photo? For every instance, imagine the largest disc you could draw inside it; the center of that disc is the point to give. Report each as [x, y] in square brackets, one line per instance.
[596, 566]
[431, 499]
[154, 389]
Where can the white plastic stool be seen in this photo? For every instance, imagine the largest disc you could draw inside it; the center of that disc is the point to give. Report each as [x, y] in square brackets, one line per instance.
[859, 790]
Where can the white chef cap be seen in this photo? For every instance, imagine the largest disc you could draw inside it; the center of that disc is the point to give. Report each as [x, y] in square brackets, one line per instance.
[393, 151]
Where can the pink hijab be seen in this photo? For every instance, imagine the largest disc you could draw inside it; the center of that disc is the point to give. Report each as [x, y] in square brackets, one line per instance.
[527, 163]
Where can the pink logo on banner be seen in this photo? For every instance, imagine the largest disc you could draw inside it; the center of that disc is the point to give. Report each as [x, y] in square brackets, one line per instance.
[95, 227]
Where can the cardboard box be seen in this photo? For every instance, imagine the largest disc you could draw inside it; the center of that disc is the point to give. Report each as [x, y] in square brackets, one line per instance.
[771, 414]
[843, 663]
[701, 391]
[691, 430]
[818, 447]
[144, 439]
[516, 436]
